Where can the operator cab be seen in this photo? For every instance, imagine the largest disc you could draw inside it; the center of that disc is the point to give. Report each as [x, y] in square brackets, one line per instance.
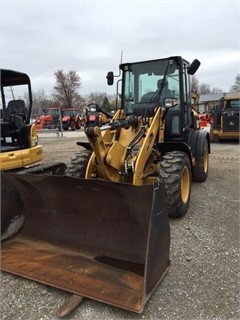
[159, 83]
[16, 113]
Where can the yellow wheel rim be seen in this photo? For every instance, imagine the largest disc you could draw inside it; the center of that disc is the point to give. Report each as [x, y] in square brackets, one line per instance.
[185, 184]
[205, 160]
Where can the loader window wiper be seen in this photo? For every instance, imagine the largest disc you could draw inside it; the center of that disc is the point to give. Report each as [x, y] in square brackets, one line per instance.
[158, 93]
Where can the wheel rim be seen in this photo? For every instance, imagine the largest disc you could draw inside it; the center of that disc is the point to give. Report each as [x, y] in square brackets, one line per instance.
[205, 160]
[185, 184]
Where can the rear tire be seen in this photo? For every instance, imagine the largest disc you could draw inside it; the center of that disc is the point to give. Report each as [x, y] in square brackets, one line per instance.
[78, 124]
[200, 170]
[78, 165]
[175, 171]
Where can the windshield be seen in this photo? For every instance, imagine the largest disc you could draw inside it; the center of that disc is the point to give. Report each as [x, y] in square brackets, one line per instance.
[19, 92]
[53, 112]
[149, 82]
[70, 113]
[235, 103]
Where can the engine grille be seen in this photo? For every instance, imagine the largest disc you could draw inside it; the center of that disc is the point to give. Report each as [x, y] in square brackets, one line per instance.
[231, 123]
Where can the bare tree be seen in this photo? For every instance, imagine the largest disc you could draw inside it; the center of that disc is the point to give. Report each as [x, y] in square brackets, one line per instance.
[216, 90]
[112, 101]
[194, 84]
[204, 88]
[40, 102]
[96, 97]
[236, 86]
[107, 105]
[66, 89]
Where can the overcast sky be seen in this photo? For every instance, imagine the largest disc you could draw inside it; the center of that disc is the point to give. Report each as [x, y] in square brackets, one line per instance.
[40, 37]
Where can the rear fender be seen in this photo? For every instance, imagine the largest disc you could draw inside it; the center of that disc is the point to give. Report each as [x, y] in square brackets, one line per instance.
[174, 146]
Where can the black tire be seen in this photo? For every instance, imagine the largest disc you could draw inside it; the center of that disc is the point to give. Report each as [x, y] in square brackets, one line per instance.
[175, 171]
[72, 125]
[78, 124]
[200, 170]
[78, 165]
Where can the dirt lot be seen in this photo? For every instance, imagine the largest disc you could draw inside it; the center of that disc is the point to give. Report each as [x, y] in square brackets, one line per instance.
[203, 281]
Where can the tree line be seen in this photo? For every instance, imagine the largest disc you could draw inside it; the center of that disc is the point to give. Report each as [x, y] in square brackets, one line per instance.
[68, 84]
[204, 88]
[66, 94]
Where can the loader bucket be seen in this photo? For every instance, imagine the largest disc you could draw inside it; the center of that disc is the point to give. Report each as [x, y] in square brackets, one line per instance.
[101, 240]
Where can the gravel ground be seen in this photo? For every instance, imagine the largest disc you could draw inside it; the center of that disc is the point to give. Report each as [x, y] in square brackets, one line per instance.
[203, 280]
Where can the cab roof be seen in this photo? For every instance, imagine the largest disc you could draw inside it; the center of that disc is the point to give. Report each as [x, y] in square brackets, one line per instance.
[13, 78]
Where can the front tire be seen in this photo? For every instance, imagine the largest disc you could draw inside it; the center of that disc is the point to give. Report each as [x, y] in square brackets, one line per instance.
[78, 165]
[175, 171]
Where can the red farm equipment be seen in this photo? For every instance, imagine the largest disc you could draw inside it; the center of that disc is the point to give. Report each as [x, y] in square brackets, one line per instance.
[70, 119]
[49, 120]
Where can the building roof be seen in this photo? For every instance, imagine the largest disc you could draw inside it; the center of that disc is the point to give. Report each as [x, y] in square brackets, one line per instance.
[216, 96]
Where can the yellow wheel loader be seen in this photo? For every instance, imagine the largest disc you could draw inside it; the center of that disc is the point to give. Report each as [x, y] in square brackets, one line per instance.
[225, 119]
[102, 231]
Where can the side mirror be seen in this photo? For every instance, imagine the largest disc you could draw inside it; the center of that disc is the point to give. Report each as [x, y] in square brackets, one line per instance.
[110, 77]
[193, 67]
[170, 102]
